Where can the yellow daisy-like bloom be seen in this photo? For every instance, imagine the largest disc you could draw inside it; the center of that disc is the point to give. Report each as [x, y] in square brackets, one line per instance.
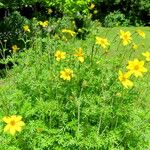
[15, 48]
[66, 74]
[134, 46]
[80, 55]
[72, 33]
[147, 55]
[91, 6]
[136, 67]
[141, 33]
[14, 124]
[103, 42]
[60, 55]
[26, 28]
[126, 37]
[123, 77]
[43, 24]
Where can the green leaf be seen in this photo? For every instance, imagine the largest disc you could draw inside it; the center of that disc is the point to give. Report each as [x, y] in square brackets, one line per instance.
[1, 5]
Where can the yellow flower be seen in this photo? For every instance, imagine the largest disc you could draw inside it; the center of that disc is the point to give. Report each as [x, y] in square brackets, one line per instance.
[49, 11]
[95, 12]
[26, 28]
[123, 77]
[147, 55]
[103, 42]
[126, 37]
[136, 67]
[43, 24]
[80, 55]
[66, 74]
[141, 33]
[14, 124]
[134, 46]
[60, 55]
[15, 48]
[91, 6]
[72, 33]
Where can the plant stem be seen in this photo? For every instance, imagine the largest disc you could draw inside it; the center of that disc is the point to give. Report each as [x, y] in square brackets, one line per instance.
[79, 109]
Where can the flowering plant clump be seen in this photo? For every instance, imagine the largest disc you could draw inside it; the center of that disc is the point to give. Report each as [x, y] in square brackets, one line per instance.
[70, 95]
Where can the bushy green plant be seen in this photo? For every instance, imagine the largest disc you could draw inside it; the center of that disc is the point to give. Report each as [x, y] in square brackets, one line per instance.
[135, 10]
[116, 19]
[90, 111]
[11, 27]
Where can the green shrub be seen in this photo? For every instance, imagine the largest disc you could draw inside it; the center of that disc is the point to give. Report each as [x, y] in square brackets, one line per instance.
[116, 19]
[134, 10]
[11, 27]
[137, 11]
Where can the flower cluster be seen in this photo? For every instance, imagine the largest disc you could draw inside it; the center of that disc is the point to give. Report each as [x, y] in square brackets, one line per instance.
[43, 24]
[67, 73]
[134, 67]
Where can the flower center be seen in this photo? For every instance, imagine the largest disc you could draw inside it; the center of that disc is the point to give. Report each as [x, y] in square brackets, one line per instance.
[136, 67]
[103, 42]
[126, 37]
[123, 78]
[67, 74]
[59, 56]
[12, 123]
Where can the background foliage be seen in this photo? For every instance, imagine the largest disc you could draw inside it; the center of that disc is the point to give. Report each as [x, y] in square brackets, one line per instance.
[137, 11]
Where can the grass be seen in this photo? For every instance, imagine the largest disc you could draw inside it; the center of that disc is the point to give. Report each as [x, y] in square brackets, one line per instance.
[91, 111]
